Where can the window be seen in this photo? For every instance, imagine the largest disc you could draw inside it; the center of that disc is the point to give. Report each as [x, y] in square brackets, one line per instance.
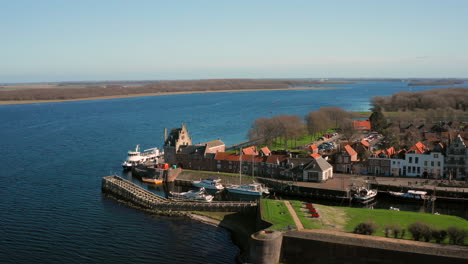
[393, 162]
[416, 160]
[432, 163]
[419, 169]
[425, 163]
[410, 159]
[438, 163]
[218, 166]
[436, 156]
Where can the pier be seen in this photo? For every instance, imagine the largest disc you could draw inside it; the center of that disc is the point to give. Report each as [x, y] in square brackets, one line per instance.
[130, 192]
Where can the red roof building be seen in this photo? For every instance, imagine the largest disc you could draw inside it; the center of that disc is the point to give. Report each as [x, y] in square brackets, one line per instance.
[266, 151]
[365, 143]
[250, 151]
[315, 155]
[313, 148]
[362, 125]
[418, 148]
[350, 150]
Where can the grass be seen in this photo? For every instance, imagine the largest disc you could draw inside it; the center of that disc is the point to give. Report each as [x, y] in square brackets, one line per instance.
[385, 217]
[307, 222]
[277, 213]
[278, 144]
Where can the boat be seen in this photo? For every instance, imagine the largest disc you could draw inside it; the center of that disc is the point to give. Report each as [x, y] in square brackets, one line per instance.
[152, 180]
[364, 195]
[256, 189]
[135, 157]
[410, 195]
[193, 195]
[210, 184]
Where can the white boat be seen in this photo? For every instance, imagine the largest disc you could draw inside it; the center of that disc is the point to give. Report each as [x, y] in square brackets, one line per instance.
[363, 195]
[193, 195]
[210, 184]
[410, 195]
[135, 157]
[249, 189]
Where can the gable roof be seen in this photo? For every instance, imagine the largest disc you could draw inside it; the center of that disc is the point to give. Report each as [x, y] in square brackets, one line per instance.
[276, 159]
[214, 143]
[362, 125]
[318, 164]
[315, 155]
[250, 151]
[266, 151]
[365, 143]
[418, 148]
[313, 147]
[350, 150]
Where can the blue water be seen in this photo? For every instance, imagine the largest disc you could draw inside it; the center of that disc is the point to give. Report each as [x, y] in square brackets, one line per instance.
[54, 155]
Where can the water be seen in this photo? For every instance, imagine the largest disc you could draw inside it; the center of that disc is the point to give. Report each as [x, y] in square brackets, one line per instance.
[54, 155]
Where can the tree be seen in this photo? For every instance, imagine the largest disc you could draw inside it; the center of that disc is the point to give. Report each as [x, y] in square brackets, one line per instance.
[377, 120]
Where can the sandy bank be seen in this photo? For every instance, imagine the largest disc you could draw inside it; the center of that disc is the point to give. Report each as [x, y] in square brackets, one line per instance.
[158, 94]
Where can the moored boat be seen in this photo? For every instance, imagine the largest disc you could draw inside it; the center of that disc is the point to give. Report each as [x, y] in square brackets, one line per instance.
[210, 184]
[364, 195]
[151, 180]
[193, 195]
[256, 189]
[410, 195]
[135, 157]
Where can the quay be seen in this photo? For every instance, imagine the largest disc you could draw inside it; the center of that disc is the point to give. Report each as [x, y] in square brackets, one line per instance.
[130, 192]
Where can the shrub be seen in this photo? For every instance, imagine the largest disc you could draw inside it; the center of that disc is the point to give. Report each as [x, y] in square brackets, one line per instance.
[457, 235]
[393, 229]
[439, 235]
[366, 228]
[420, 230]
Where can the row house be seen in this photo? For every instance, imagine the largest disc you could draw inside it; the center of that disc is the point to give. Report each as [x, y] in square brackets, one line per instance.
[456, 160]
[345, 159]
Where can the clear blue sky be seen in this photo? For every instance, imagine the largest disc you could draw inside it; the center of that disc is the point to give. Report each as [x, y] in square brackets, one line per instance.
[46, 40]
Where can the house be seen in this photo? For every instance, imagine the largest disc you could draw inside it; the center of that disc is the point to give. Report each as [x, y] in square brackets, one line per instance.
[214, 146]
[252, 150]
[177, 137]
[421, 162]
[317, 170]
[456, 160]
[362, 125]
[313, 148]
[198, 156]
[344, 159]
[265, 151]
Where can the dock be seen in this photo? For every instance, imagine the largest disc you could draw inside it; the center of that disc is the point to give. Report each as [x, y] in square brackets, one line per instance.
[130, 192]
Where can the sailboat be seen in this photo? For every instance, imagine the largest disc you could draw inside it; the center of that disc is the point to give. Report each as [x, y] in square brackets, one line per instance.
[255, 189]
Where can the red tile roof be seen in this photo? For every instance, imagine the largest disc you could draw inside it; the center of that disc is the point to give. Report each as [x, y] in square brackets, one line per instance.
[266, 151]
[315, 155]
[418, 148]
[250, 151]
[350, 150]
[313, 147]
[365, 143]
[276, 158]
[234, 157]
[391, 151]
[362, 125]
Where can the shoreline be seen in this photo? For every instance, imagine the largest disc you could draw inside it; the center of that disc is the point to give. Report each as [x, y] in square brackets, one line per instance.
[159, 94]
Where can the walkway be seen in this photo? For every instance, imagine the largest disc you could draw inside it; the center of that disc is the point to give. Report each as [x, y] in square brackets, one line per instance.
[294, 215]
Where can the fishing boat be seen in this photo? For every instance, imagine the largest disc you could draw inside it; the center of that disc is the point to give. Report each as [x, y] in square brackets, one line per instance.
[256, 189]
[210, 184]
[193, 195]
[364, 195]
[135, 157]
[410, 195]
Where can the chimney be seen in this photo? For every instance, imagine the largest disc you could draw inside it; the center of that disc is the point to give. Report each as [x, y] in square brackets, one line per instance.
[165, 135]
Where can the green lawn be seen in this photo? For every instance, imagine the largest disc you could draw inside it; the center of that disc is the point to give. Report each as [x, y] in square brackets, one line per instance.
[277, 213]
[293, 143]
[307, 222]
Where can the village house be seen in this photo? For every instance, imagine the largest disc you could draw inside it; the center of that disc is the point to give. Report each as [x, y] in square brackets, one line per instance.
[317, 170]
[177, 137]
[364, 126]
[421, 162]
[456, 160]
[344, 160]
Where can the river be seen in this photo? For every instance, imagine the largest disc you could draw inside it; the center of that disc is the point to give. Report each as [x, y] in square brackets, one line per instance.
[54, 155]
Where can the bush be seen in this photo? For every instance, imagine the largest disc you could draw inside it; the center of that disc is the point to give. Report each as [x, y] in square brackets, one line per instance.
[456, 235]
[393, 229]
[439, 235]
[366, 228]
[420, 230]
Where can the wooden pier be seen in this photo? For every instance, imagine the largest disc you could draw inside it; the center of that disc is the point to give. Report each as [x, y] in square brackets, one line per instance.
[134, 194]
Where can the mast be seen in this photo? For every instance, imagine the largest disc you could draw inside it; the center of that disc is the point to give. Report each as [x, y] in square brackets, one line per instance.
[240, 167]
[253, 164]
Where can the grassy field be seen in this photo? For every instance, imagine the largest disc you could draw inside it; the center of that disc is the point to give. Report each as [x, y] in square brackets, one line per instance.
[277, 213]
[278, 144]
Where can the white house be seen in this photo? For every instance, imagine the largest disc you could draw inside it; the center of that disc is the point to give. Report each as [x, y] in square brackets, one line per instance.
[421, 162]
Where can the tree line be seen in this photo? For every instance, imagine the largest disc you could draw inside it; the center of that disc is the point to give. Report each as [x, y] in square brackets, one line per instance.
[99, 89]
[293, 127]
[445, 98]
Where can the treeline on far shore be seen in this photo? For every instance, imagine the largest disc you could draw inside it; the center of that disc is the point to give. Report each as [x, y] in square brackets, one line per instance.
[444, 98]
[62, 92]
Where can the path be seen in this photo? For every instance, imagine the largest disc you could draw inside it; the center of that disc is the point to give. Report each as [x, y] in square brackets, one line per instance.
[294, 215]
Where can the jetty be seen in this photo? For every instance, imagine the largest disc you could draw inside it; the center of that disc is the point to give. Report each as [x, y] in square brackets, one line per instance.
[132, 193]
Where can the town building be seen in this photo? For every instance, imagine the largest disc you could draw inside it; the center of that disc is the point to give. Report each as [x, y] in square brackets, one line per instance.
[344, 160]
[317, 170]
[177, 137]
[456, 160]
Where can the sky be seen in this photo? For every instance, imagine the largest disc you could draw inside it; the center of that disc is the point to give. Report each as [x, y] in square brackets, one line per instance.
[88, 40]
